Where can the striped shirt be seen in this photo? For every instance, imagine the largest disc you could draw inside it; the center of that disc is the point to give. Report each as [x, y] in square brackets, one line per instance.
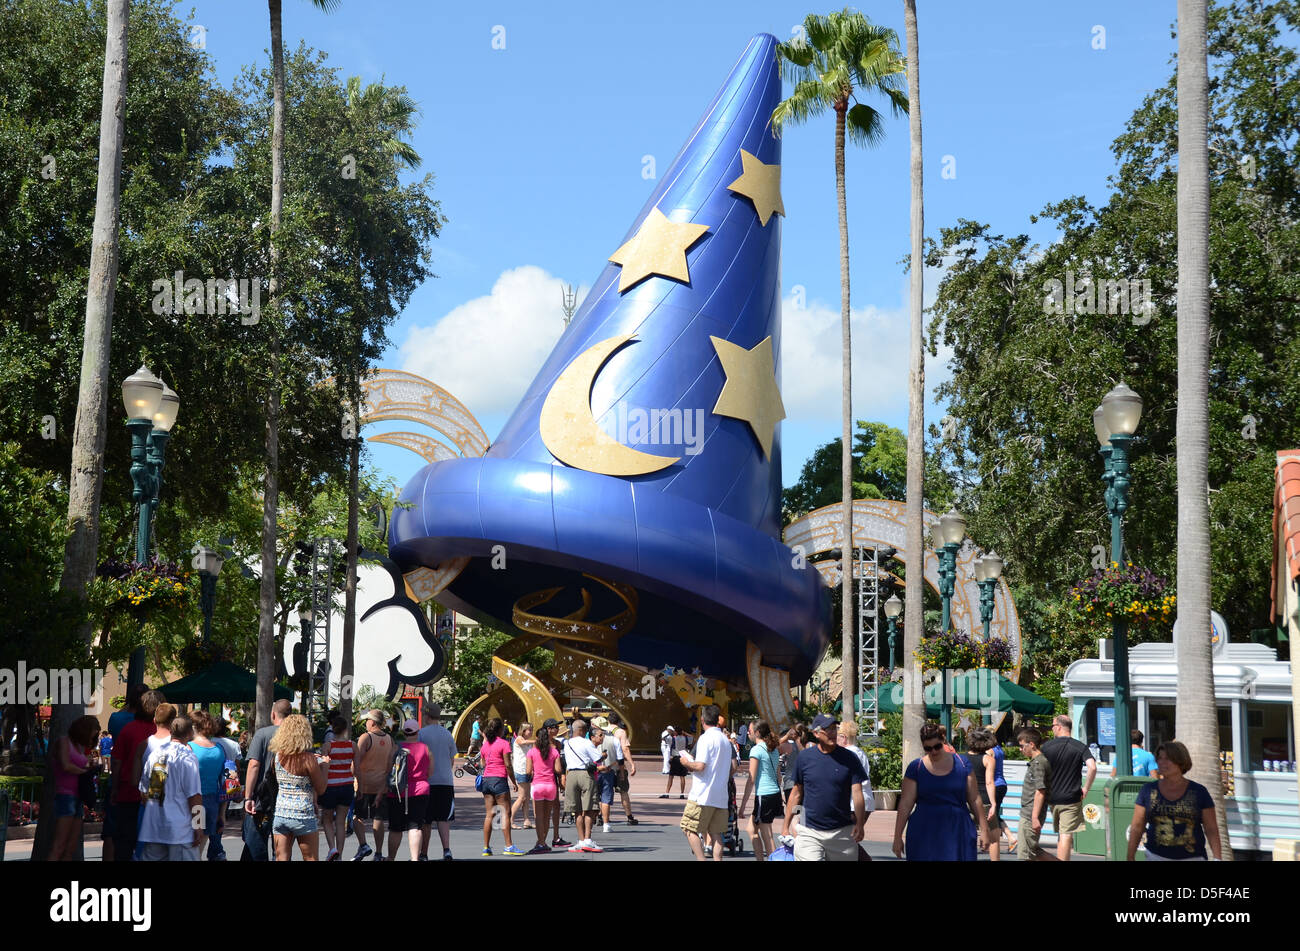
[340, 767]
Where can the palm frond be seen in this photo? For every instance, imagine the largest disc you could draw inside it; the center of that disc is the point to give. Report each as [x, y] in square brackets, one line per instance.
[864, 125]
[808, 100]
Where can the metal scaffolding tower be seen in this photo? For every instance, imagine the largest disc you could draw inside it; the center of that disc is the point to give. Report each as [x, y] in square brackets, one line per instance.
[318, 642]
[867, 575]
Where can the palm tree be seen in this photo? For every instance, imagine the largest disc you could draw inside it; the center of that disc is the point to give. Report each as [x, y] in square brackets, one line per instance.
[914, 613]
[81, 552]
[839, 56]
[395, 113]
[271, 400]
[1198, 720]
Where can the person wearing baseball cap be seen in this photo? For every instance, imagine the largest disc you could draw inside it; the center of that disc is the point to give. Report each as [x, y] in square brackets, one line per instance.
[374, 758]
[827, 777]
[407, 807]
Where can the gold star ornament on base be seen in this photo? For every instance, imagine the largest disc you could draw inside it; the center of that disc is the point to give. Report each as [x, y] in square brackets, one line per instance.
[750, 392]
[658, 247]
[761, 184]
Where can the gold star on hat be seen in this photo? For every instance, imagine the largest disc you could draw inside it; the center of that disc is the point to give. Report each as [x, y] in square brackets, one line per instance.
[761, 184]
[750, 392]
[658, 247]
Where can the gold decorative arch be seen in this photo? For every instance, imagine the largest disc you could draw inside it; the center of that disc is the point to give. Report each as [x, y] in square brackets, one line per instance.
[398, 395]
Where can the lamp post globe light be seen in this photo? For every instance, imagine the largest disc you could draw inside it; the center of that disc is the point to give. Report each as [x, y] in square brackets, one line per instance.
[151, 408]
[1115, 421]
[988, 570]
[952, 530]
[893, 608]
[209, 562]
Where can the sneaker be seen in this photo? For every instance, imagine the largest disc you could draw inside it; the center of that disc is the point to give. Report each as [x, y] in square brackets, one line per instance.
[380, 858]
[424, 858]
[539, 849]
[486, 852]
[665, 796]
[681, 797]
[576, 848]
[362, 853]
[446, 855]
[333, 856]
[590, 846]
[559, 843]
[606, 828]
[631, 821]
[513, 850]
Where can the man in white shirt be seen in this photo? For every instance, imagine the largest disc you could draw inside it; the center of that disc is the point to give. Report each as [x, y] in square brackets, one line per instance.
[171, 827]
[706, 806]
[581, 760]
[442, 801]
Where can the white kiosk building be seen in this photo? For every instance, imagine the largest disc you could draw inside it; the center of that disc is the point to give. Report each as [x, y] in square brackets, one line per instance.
[1253, 691]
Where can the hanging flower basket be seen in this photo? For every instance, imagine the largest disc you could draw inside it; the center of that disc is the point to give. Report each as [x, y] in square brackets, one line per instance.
[1138, 595]
[952, 649]
[997, 654]
[142, 591]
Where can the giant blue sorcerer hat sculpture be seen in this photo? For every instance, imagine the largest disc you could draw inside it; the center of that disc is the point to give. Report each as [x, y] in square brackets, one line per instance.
[599, 486]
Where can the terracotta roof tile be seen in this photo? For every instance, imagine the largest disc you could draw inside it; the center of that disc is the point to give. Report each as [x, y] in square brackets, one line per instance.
[1286, 516]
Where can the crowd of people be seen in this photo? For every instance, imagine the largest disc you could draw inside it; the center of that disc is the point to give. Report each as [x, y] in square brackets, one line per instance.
[173, 776]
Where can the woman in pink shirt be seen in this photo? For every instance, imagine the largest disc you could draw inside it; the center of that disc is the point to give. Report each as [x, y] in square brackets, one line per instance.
[406, 811]
[69, 763]
[540, 761]
[496, 781]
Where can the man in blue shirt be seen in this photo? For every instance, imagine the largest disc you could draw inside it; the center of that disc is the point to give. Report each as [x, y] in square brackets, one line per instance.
[1144, 764]
[827, 778]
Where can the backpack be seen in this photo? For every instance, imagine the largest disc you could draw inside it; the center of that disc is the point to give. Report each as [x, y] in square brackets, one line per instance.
[397, 775]
[231, 789]
[268, 790]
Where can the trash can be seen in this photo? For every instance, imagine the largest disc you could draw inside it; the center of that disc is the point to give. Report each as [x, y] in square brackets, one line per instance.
[1121, 798]
[1091, 840]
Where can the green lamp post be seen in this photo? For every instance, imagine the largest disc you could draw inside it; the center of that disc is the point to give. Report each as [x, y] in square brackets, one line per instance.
[988, 570]
[952, 530]
[151, 409]
[1115, 421]
[208, 562]
[893, 608]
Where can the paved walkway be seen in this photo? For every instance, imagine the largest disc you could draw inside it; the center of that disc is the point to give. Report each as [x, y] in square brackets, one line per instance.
[657, 837]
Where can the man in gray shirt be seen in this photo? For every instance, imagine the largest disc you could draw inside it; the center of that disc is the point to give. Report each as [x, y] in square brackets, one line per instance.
[442, 801]
[259, 761]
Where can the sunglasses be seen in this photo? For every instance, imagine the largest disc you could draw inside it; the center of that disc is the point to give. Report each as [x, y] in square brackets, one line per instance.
[932, 749]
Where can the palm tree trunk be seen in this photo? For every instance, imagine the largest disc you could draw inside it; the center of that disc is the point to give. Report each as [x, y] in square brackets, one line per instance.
[848, 666]
[271, 490]
[914, 599]
[1198, 721]
[81, 551]
[350, 585]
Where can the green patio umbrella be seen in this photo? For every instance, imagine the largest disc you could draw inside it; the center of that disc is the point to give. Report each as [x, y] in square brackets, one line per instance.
[223, 682]
[973, 690]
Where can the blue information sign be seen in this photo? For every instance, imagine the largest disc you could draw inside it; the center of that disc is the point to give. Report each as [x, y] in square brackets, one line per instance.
[1106, 726]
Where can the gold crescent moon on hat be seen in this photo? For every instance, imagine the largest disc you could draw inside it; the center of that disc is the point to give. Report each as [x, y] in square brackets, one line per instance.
[570, 431]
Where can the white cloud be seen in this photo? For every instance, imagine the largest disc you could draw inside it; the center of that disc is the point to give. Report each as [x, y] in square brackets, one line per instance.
[810, 362]
[486, 351]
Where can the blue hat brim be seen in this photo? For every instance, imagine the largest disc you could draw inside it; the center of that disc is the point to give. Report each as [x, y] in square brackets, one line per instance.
[707, 583]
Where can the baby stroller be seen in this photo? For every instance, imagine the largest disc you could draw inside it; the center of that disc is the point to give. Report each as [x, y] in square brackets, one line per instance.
[732, 841]
[473, 766]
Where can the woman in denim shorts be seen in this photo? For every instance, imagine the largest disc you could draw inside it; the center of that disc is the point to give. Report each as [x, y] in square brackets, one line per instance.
[301, 780]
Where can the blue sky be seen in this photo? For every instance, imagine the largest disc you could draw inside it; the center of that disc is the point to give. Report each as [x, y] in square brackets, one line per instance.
[539, 150]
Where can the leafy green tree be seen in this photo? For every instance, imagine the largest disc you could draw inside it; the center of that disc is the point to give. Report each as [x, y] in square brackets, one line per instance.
[879, 472]
[839, 57]
[1028, 370]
